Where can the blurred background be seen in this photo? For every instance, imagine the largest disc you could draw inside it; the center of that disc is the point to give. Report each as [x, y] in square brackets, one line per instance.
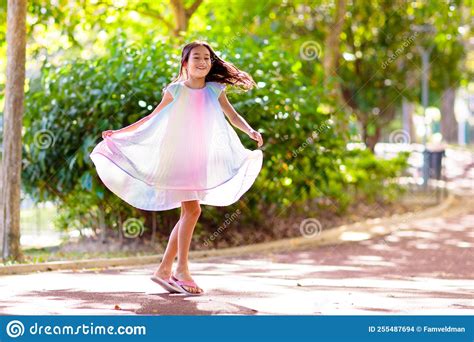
[366, 110]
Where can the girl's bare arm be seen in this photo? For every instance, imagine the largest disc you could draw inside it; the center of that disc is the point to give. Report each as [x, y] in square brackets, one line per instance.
[237, 120]
[167, 98]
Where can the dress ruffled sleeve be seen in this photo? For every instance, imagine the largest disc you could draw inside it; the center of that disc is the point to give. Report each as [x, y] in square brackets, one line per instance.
[217, 88]
[173, 88]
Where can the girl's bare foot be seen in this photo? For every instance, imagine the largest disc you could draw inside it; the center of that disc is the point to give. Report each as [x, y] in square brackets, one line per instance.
[163, 273]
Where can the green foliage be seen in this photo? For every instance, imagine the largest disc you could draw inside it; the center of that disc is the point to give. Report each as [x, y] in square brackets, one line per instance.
[374, 178]
[381, 63]
[74, 102]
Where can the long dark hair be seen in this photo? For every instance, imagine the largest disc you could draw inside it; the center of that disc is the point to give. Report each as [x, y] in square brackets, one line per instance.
[221, 71]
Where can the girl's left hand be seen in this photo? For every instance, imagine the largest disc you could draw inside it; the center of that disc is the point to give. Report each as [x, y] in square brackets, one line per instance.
[255, 135]
[108, 133]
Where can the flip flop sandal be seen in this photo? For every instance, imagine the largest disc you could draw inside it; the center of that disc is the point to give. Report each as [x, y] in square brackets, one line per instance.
[166, 284]
[181, 283]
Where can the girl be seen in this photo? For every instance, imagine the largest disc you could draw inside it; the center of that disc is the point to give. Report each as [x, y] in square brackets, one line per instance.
[186, 156]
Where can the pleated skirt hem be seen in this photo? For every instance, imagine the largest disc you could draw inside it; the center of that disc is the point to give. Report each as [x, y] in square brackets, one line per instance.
[148, 197]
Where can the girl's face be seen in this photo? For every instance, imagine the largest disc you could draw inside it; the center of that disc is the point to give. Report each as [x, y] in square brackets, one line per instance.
[199, 62]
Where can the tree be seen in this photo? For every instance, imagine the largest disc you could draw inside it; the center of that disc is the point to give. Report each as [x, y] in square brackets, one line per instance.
[183, 14]
[380, 52]
[331, 59]
[449, 125]
[12, 126]
[448, 58]
[373, 69]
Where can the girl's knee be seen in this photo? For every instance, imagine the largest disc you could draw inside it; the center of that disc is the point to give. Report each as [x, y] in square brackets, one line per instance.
[193, 212]
[191, 208]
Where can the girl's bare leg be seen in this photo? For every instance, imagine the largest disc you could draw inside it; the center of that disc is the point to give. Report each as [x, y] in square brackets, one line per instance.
[191, 211]
[164, 269]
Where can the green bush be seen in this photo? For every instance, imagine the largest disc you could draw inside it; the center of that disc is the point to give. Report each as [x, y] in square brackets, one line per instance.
[303, 155]
[372, 178]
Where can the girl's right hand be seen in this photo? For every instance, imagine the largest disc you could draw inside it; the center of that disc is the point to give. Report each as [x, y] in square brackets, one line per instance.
[108, 133]
[255, 135]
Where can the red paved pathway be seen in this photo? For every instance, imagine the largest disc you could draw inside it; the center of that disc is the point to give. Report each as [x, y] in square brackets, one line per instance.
[425, 267]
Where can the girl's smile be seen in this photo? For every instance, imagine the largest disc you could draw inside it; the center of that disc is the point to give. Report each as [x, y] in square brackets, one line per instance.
[199, 62]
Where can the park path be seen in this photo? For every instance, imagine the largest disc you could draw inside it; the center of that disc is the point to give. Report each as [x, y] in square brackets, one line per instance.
[424, 267]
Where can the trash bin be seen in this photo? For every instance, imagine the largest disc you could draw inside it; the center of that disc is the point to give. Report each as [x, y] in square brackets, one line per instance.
[435, 159]
[432, 168]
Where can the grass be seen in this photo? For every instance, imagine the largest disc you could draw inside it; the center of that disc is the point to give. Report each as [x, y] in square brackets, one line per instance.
[37, 219]
[48, 254]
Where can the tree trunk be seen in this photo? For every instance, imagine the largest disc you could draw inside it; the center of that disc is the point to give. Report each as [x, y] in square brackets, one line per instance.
[183, 14]
[102, 225]
[331, 63]
[449, 125]
[372, 140]
[332, 53]
[180, 20]
[12, 125]
[365, 131]
[408, 108]
[120, 231]
[153, 227]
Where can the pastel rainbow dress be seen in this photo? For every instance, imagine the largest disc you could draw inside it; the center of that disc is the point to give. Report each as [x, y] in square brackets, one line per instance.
[186, 151]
